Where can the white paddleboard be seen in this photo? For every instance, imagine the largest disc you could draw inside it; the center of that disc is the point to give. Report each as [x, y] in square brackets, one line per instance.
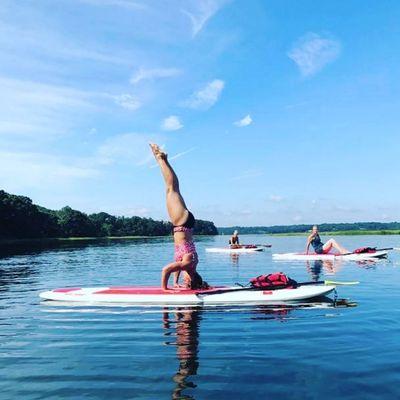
[313, 256]
[234, 251]
[154, 295]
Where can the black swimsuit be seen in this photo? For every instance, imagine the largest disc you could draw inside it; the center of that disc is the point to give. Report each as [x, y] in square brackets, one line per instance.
[189, 223]
[317, 244]
[234, 240]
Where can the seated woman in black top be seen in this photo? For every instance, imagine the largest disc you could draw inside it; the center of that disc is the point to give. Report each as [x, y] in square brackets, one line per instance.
[234, 240]
[321, 248]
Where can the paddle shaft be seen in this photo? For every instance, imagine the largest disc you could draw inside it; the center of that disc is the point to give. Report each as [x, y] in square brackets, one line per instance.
[280, 287]
[348, 254]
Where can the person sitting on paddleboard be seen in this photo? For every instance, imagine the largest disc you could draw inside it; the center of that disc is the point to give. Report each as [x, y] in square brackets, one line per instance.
[234, 240]
[321, 248]
[183, 221]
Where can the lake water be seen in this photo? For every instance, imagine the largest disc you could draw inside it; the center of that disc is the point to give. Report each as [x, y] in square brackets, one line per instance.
[322, 351]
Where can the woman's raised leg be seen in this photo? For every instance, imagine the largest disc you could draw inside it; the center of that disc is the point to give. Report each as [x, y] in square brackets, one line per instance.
[333, 243]
[176, 206]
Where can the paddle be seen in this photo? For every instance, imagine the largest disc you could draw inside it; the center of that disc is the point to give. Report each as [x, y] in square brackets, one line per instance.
[328, 283]
[384, 249]
[335, 283]
[258, 245]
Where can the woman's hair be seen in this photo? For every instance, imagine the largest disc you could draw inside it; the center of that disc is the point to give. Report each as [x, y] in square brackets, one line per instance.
[235, 232]
[315, 226]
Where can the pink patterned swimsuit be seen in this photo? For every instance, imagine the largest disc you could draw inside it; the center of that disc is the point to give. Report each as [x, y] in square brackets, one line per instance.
[186, 247]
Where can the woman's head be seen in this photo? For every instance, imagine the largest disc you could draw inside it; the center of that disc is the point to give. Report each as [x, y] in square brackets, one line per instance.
[315, 229]
[235, 233]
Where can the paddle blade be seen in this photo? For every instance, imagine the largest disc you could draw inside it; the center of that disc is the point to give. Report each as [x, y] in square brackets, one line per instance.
[341, 283]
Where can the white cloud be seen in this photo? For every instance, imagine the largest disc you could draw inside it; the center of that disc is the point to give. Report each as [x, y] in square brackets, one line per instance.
[206, 97]
[312, 52]
[172, 123]
[201, 12]
[247, 120]
[276, 198]
[143, 74]
[128, 101]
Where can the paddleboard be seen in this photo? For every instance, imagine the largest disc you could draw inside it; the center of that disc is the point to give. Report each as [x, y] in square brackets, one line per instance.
[154, 295]
[312, 256]
[235, 251]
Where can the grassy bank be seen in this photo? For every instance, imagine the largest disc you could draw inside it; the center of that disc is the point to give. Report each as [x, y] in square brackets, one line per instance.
[340, 233]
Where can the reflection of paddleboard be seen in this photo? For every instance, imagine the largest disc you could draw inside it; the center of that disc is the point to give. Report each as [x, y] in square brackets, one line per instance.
[313, 256]
[154, 295]
[243, 249]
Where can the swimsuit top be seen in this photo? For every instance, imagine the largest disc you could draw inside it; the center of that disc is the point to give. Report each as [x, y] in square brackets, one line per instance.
[234, 240]
[187, 226]
[316, 242]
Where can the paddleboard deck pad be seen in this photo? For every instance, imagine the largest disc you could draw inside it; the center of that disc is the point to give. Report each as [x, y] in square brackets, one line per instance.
[154, 295]
[312, 256]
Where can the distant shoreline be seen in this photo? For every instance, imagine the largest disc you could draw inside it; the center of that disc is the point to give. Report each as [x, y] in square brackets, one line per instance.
[5, 242]
[343, 233]
[71, 239]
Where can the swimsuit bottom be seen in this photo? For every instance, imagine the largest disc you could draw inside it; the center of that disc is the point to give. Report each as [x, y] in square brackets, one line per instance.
[185, 248]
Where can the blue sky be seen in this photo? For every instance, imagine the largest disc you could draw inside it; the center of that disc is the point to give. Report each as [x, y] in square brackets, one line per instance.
[276, 112]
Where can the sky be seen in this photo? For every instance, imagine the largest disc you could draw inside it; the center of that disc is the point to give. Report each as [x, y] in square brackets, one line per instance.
[272, 112]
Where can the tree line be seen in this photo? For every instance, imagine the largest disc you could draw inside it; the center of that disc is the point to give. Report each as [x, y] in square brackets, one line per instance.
[301, 228]
[21, 219]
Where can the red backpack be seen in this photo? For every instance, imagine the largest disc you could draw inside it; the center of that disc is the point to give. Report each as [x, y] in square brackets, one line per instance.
[365, 250]
[277, 280]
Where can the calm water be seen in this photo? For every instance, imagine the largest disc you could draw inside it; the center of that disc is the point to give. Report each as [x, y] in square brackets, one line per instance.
[312, 352]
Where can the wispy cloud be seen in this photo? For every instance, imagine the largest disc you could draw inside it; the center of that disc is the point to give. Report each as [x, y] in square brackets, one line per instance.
[128, 148]
[207, 96]
[174, 157]
[172, 123]
[128, 101]
[200, 12]
[312, 52]
[19, 170]
[183, 153]
[33, 108]
[143, 74]
[33, 43]
[276, 198]
[246, 121]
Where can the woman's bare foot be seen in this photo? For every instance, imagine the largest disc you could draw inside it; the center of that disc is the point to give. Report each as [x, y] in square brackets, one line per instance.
[159, 154]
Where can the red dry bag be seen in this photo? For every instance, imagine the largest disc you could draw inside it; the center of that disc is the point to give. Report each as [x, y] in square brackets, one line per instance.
[277, 280]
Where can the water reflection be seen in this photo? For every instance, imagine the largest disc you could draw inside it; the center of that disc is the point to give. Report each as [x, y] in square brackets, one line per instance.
[16, 275]
[187, 324]
[10, 248]
[323, 267]
[235, 259]
[184, 325]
